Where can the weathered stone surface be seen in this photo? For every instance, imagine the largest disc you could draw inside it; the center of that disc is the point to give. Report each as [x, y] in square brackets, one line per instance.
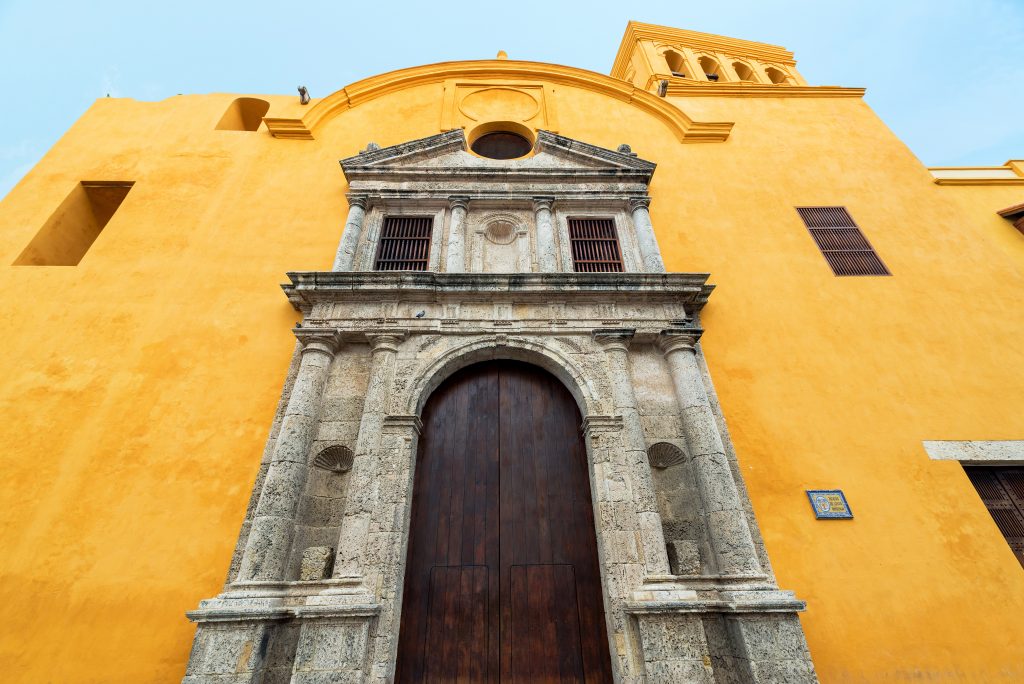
[404, 333]
[331, 650]
[317, 563]
[684, 556]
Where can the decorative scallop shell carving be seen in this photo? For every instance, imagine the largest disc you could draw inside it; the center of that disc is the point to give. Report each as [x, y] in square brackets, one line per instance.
[664, 455]
[501, 228]
[501, 232]
[336, 459]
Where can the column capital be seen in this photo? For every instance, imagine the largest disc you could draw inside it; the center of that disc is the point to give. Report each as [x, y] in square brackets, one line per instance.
[323, 341]
[635, 203]
[403, 423]
[386, 340]
[358, 200]
[458, 202]
[541, 203]
[614, 339]
[597, 423]
[679, 339]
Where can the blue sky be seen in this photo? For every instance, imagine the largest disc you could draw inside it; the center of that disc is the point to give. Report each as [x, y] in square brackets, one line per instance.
[946, 75]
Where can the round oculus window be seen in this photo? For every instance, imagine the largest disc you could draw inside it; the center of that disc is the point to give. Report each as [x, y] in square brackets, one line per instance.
[501, 145]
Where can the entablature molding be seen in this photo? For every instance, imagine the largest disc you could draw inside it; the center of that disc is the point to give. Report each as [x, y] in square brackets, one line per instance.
[358, 307]
[687, 87]
[311, 287]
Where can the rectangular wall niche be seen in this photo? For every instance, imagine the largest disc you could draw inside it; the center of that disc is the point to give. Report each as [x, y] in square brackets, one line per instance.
[74, 226]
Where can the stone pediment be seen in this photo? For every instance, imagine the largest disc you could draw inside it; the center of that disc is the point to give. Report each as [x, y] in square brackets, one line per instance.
[444, 157]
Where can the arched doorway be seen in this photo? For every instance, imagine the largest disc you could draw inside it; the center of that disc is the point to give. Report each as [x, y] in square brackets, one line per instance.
[502, 581]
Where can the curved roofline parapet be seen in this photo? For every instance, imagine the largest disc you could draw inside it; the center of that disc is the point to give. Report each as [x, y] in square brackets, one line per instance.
[685, 129]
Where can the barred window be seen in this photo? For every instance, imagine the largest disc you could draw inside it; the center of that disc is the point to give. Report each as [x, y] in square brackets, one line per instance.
[841, 242]
[595, 247]
[1002, 490]
[404, 244]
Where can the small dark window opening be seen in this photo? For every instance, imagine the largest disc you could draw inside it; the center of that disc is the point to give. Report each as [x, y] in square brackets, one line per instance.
[501, 145]
[70, 231]
[842, 244]
[712, 77]
[404, 244]
[1002, 490]
[595, 247]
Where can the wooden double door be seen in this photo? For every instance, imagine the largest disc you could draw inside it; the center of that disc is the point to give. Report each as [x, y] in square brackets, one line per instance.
[502, 581]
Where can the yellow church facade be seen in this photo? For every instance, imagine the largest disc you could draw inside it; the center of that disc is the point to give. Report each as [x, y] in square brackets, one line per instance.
[852, 319]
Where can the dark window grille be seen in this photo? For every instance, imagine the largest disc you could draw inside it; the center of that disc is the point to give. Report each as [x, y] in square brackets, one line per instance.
[404, 244]
[844, 247]
[595, 247]
[1002, 490]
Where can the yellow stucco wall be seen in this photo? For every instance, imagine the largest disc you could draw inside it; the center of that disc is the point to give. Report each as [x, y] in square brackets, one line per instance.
[139, 385]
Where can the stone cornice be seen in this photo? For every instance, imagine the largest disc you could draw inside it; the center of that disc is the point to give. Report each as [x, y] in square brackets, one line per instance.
[567, 159]
[402, 424]
[1016, 211]
[979, 181]
[547, 140]
[1010, 173]
[684, 87]
[310, 287]
[685, 129]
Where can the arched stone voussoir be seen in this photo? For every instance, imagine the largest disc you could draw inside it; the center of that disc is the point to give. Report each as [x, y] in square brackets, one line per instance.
[538, 351]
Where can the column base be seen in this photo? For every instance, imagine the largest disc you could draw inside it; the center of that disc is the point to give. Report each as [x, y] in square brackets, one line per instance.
[748, 635]
[282, 633]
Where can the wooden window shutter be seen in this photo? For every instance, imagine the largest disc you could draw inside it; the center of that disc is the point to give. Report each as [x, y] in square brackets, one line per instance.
[595, 247]
[404, 244]
[1002, 490]
[845, 248]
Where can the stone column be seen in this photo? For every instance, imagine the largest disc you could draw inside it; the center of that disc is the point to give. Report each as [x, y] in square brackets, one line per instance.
[456, 254]
[360, 505]
[547, 259]
[616, 345]
[270, 537]
[649, 251]
[731, 541]
[345, 257]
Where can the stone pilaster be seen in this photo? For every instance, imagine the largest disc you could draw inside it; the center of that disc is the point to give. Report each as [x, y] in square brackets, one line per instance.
[634, 455]
[456, 252]
[649, 251]
[345, 257]
[731, 540]
[547, 260]
[361, 502]
[269, 544]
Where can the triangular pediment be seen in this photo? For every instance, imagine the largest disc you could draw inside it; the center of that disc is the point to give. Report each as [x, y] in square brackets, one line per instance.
[446, 154]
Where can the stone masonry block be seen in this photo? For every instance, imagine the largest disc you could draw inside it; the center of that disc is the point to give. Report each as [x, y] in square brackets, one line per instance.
[683, 556]
[282, 489]
[267, 548]
[679, 672]
[672, 637]
[701, 431]
[768, 637]
[317, 563]
[734, 549]
[327, 645]
[295, 439]
[622, 547]
[771, 671]
[717, 489]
